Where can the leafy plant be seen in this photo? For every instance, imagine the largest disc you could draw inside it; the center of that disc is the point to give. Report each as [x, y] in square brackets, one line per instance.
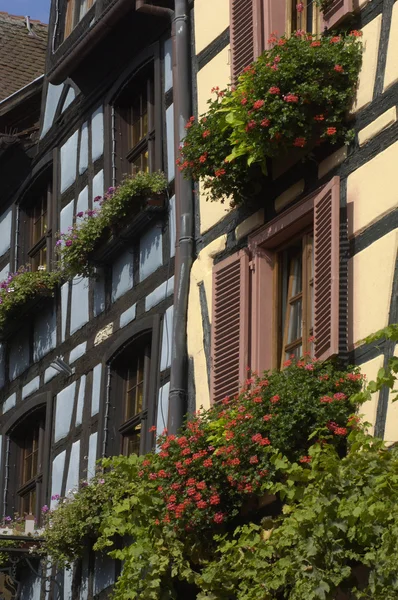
[211, 480]
[76, 245]
[295, 95]
[22, 286]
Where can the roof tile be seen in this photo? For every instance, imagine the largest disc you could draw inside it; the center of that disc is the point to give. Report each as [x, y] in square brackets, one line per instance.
[22, 53]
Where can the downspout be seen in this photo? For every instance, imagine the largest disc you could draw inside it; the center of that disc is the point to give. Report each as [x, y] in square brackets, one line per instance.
[184, 208]
[185, 225]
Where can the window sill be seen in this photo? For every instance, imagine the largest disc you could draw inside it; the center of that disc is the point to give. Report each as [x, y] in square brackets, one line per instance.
[117, 238]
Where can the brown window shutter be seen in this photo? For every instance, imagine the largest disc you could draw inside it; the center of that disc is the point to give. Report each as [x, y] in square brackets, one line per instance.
[326, 270]
[336, 13]
[246, 37]
[230, 325]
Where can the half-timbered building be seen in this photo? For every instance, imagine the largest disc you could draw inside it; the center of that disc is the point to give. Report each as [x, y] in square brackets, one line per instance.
[316, 255]
[191, 294]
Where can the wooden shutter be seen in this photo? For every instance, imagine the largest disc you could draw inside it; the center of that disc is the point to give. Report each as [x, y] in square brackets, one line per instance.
[69, 18]
[230, 325]
[274, 19]
[246, 33]
[326, 270]
[336, 13]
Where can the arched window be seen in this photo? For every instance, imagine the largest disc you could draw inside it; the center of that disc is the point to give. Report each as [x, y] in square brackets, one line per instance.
[133, 367]
[135, 124]
[26, 459]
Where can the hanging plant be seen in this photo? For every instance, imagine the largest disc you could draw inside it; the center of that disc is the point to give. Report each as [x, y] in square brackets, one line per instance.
[295, 95]
[112, 210]
[24, 286]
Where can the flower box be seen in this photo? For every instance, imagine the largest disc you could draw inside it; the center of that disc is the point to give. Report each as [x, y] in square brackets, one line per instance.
[116, 237]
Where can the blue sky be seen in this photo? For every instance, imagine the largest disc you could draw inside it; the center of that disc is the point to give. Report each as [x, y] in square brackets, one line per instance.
[36, 9]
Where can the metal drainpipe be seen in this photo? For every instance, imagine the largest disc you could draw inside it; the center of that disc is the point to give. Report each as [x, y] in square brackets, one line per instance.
[184, 208]
[6, 476]
[185, 228]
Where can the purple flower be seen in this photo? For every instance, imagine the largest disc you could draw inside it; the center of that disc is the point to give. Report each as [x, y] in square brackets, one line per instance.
[111, 190]
[44, 508]
[56, 497]
[101, 481]
[69, 242]
[59, 243]
[8, 519]
[97, 198]
[80, 214]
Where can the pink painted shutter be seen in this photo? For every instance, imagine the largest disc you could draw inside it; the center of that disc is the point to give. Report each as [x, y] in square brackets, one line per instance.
[336, 13]
[246, 37]
[262, 297]
[230, 325]
[274, 12]
[326, 270]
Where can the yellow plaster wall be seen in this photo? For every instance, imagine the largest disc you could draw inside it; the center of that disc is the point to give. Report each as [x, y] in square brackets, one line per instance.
[201, 271]
[370, 39]
[391, 431]
[372, 190]
[391, 74]
[216, 73]
[368, 410]
[211, 19]
[371, 276]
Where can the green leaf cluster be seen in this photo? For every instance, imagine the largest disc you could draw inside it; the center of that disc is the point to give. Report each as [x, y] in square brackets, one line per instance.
[294, 96]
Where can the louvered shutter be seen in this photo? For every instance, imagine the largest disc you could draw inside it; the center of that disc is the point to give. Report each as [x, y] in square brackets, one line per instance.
[247, 38]
[326, 270]
[230, 325]
[336, 13]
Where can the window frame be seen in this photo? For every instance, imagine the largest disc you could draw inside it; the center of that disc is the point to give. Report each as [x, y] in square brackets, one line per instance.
[40, 405]
[264, 246]
[26, 248]
[73, 14]
[302, 17]
[127, 152]
[148, 326]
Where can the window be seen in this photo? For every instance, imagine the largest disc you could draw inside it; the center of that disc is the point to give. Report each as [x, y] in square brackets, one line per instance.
[253, 21]
[29, 466]
[27, 445]
[75, 11]
[35, 229]
[136, 125]
[306, 17]
[38, 217]
[130, 384]
[27, 459]
[295, 309]
[272, 298]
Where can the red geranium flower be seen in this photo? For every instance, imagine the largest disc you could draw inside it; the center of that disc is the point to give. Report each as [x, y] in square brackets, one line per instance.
[258, 104]
[300, 142]
[338, 68]
[331, 130]
[274, 90]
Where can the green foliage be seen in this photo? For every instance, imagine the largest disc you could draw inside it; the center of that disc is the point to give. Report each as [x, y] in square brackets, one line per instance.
[295, 95]
[203, 498]
[388, 375]
[23, 286]
[114, 207]
[340, 537]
